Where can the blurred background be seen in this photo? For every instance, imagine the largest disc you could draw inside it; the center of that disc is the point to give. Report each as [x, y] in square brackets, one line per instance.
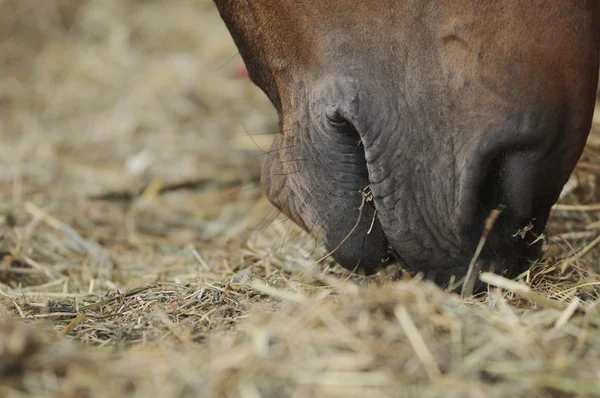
[127, 120]
[109, 91]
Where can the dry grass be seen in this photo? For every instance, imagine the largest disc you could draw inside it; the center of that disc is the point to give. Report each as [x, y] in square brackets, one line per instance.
[138, 258]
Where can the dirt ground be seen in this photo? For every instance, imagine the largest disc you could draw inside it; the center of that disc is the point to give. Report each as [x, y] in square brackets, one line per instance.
[139, 258]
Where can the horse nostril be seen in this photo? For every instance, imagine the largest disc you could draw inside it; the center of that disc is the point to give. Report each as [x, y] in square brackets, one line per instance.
[490, 191]
[509, 181]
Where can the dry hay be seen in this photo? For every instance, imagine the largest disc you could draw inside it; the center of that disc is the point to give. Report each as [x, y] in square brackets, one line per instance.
[138, 258]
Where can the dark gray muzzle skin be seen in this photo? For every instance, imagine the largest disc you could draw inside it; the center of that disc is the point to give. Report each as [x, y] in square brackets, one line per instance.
[445, 110]
[445, 140]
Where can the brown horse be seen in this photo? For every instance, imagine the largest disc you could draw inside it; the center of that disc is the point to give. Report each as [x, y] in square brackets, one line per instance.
[405, 123]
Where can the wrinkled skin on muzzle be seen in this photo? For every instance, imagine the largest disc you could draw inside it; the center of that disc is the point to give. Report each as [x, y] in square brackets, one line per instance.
[404, 124]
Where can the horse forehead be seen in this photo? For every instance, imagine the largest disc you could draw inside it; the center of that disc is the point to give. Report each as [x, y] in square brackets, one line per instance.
[305, 29]
[307, 37]
[289, 19]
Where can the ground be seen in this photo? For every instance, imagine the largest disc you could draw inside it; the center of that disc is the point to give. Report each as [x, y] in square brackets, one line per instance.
[138, 256]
